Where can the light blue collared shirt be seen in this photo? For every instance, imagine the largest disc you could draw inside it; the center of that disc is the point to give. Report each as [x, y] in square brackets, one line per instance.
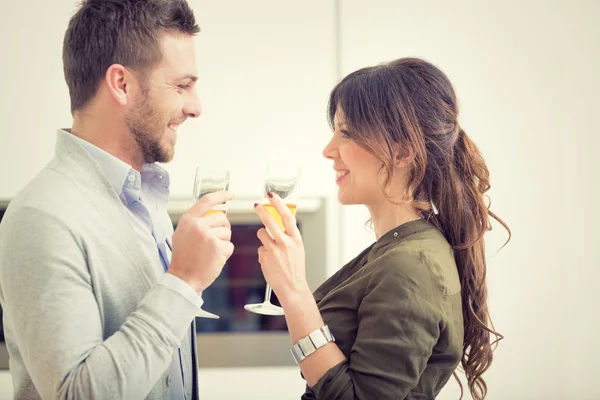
[146, 195]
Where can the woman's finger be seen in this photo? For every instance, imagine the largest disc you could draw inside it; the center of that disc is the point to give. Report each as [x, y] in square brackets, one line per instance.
[265, 238]
[269, 222]
[287, 217]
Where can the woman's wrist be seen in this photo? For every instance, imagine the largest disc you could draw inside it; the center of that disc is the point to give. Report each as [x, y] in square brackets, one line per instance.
[296, 297]
[301, 313]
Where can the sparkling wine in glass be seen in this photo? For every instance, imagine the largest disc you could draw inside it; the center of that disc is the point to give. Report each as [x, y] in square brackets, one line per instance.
[208, 181]
[281, 179]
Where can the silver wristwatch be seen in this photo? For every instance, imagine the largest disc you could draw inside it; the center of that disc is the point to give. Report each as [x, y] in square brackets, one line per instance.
[309, 344]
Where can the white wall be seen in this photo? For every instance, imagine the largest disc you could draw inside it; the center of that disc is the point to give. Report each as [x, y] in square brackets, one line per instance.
[526, 74]
[34, 100]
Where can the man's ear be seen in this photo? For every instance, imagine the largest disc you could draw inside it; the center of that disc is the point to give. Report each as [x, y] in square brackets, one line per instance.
[118, 81]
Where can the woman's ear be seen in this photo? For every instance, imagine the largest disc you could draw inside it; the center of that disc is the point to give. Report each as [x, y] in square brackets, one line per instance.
[405, 156]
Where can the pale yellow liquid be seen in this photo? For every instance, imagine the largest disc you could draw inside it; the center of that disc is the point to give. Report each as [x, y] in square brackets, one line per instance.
[276, 215]
[215, 211]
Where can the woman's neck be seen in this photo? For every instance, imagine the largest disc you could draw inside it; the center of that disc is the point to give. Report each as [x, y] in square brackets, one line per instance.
[387, 216]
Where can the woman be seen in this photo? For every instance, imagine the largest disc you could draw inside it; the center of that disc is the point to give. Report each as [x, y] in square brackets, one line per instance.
[413, 306]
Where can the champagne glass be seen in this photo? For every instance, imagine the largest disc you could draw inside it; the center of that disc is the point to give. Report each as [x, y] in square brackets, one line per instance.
[281, 179]
[208, 181]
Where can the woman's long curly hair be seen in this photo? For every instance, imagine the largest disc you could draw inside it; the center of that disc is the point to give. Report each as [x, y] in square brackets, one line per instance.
[409, 107]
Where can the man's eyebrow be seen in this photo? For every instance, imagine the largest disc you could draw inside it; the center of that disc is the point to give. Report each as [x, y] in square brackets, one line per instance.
[191, 77]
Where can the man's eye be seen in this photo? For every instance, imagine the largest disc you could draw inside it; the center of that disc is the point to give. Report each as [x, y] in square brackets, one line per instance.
[345, 134]
[184, 87]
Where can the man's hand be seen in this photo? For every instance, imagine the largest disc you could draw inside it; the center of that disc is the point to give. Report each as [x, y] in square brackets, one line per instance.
[202, 243]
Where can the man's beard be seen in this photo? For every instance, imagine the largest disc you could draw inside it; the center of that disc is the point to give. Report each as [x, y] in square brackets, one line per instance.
[147, 127]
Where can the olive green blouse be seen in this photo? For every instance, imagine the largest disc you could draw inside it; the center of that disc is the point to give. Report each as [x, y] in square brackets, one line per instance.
[395, 312]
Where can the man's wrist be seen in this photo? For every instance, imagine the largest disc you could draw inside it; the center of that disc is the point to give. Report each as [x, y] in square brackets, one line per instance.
[175, 283]
[194, 283]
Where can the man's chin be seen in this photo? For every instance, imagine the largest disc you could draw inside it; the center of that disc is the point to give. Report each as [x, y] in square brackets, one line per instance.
[163, 155]
[167, 150]
[166, 157]
[170, 150]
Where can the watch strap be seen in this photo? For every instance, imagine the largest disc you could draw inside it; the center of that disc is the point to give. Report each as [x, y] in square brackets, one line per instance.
[309, 344]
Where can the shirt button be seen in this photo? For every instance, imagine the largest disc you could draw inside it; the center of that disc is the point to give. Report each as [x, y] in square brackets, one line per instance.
[131, 178]
[395, 234]
[159, 177]
[136, 204]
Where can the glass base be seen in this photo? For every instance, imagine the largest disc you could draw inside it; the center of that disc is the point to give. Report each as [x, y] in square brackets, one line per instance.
[264, 309]
[205, 314]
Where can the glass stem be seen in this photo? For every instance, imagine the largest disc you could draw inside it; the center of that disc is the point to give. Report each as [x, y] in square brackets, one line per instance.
[268, 294]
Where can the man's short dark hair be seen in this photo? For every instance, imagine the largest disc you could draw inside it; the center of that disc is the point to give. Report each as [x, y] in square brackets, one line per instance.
[126, 32]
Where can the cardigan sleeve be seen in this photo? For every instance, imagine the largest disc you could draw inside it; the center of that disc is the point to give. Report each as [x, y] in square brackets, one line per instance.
[53, 317]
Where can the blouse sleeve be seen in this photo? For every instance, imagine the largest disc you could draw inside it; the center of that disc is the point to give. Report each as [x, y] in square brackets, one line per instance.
[398, 326]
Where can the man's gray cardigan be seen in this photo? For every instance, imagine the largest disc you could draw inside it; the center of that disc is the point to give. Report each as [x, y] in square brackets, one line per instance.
[84, 317]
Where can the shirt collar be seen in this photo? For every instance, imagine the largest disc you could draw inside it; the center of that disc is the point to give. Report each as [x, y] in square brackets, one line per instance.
[398, 234]
[120, 174]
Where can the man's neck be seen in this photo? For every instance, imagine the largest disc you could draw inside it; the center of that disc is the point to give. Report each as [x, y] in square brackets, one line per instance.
[110, 137]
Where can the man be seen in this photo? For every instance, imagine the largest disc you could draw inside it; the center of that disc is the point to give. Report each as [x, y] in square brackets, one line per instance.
[89, 311]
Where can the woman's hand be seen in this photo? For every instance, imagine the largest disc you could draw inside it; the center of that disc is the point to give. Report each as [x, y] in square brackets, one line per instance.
[282, 254]
[282, 261]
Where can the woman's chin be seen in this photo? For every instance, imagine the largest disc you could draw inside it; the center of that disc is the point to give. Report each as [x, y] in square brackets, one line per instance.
[344, 199]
